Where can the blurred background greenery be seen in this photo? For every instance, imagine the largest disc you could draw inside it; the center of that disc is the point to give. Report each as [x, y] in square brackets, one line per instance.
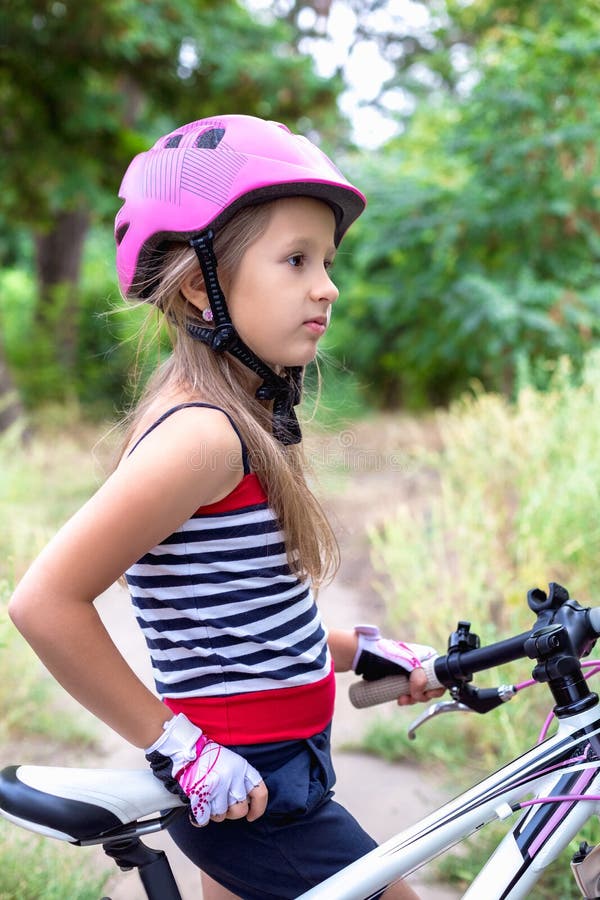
[477, 257]
[470, 287]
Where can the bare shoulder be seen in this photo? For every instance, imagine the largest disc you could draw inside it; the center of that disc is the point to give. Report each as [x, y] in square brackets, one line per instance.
[193, 458]
[210, 423]
[194, 444]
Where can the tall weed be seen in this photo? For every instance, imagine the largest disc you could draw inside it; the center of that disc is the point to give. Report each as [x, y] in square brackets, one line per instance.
[41, 485]
[513, 504]
[44, 481]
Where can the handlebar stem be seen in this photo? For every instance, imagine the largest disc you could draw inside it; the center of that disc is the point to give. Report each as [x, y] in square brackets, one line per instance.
[560, 669]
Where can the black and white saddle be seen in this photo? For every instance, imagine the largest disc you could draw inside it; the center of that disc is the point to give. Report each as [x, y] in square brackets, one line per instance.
[85, 806]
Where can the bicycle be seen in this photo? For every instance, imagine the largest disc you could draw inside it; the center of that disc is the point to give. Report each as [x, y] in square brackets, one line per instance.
[555, 784]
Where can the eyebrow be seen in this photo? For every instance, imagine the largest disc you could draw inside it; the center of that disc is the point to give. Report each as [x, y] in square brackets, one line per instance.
[301, 240]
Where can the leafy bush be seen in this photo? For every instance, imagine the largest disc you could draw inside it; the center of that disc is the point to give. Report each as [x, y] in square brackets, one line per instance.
[513, 505]
[98, 384]
[103, 352]
[517, 490]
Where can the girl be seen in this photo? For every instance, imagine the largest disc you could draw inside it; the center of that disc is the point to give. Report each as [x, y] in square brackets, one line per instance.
[229, 227]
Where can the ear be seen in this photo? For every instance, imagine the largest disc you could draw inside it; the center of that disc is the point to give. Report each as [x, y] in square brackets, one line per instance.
[192, 288]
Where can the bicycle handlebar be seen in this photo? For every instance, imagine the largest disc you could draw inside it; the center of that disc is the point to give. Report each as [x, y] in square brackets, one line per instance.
[564, 631]
[447, 671]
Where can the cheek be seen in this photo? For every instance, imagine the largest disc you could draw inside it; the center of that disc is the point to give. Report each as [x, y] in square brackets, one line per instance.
[251, 301]
[249, 317]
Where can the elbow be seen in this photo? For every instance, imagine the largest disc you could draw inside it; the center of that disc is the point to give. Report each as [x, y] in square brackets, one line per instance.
[21, 611]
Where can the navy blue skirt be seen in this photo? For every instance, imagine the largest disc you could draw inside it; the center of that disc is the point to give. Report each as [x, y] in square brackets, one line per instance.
[303, 837]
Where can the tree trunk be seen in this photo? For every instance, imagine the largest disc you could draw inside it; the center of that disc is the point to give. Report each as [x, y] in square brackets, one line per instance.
[11, 409]
[58, 263]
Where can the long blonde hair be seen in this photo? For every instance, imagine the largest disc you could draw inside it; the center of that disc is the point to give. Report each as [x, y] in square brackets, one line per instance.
[312, 549]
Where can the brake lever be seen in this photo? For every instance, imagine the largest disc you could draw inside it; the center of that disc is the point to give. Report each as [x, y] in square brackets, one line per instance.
[480, 700]
[436, 709]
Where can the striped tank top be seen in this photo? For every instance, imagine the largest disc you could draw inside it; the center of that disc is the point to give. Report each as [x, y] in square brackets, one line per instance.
[235, 639]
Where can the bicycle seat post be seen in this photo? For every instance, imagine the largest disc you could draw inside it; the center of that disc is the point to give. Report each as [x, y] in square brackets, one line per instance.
[152, 865]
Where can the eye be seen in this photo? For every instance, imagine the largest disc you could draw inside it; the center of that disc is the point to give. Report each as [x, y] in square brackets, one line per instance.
[296, 260]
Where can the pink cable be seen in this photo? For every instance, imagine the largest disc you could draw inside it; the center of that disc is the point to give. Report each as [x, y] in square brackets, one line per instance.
[559, 798]
[592, 664]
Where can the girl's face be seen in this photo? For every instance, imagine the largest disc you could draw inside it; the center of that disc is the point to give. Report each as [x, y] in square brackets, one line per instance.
[280, 295]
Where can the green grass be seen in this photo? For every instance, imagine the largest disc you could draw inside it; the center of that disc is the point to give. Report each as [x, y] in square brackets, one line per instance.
[33, 868]
[40, 485]
[512, 505]
[32, 706]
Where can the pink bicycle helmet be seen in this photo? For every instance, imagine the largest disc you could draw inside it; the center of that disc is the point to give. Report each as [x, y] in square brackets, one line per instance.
[201, 174]
[187, 186]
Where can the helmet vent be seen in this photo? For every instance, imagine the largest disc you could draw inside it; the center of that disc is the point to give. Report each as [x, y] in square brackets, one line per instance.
[121, 232]
[173, 142]
[210, 140]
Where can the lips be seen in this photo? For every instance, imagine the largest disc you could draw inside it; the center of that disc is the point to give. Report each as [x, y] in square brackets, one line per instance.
[317, 325]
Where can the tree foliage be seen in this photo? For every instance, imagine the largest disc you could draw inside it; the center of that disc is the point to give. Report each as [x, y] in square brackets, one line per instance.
[480, 253]
[86, 85]
[430, 46]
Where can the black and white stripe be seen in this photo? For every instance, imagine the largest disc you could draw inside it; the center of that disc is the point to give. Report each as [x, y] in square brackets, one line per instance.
[221, 611]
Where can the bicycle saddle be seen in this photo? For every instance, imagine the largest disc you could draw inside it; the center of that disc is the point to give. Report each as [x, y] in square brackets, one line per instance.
[80, 805]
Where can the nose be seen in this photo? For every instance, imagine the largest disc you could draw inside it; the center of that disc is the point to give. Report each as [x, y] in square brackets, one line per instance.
[324, 289]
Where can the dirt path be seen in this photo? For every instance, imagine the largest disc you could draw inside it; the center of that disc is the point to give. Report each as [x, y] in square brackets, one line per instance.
[364, 485]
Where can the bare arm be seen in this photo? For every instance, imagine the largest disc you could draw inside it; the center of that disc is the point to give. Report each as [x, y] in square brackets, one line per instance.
[342, 646]
[152, 492]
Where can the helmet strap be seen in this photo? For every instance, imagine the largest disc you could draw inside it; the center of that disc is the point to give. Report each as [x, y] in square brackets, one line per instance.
[223, 337]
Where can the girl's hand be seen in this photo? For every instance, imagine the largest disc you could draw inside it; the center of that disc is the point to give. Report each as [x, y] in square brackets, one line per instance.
[218, 783]
[377, 657]
[417, 682]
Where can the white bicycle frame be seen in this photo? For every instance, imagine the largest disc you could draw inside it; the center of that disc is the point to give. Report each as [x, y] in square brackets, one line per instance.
[557, 768]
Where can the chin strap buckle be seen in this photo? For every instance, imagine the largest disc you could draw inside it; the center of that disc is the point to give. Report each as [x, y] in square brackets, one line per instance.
[285, 394]
[222, 338]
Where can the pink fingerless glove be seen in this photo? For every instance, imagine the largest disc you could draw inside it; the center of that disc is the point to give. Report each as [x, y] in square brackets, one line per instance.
[207, 775]
[377, 657]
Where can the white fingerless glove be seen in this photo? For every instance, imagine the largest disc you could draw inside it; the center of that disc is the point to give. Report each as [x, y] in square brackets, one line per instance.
[377, 657]
[205, 774]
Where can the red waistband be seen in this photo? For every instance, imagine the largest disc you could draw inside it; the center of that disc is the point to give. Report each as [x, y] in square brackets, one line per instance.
[283, 714]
